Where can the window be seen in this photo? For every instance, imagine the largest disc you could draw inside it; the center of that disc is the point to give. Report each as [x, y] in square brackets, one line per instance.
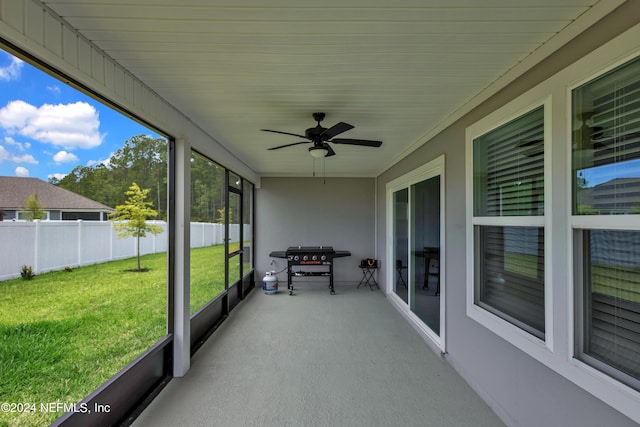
[25, 217]
[606, 144]
[508, 220]
[207, 231]
[99, 299]
[606, 182]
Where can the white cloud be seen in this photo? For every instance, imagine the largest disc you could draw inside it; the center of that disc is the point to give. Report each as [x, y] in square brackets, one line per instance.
[4, 154]
[25, 158]
[20, 171]
[64, 157]
[57, 176]
[11, 71]
[65, 125]
[20, 145]
[106, 162]
[55, 89]
[16, 114]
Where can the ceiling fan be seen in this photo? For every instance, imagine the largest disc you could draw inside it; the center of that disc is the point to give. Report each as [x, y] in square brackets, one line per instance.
[320, 137]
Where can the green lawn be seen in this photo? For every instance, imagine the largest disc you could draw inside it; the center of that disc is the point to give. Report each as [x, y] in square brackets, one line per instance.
[207, 275]
[63, 334]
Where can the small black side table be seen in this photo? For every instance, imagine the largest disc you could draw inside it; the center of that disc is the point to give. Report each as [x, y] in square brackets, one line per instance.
[369, 268]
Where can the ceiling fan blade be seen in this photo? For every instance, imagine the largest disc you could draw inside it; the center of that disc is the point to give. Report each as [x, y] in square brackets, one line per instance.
[330, 151]
[283, 133]
[289, 145]
[336, 129]
[363, 142]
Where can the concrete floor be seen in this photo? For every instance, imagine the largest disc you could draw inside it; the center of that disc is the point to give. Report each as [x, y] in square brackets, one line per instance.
[315, 359]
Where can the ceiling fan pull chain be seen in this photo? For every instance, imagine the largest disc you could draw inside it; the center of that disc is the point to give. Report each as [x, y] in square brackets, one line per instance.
[324, 171]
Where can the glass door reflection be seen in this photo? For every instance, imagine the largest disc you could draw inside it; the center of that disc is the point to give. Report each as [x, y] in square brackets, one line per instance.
[424, 286]
[401, 243]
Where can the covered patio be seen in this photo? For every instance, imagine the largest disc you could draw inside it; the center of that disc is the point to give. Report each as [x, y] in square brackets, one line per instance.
[488, 114]
[315, 359]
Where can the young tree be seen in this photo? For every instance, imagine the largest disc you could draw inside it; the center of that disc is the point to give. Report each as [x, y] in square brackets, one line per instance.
[33, 209]
[130, 219]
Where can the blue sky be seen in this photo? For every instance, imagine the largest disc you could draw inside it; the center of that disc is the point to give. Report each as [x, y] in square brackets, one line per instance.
[47, 128]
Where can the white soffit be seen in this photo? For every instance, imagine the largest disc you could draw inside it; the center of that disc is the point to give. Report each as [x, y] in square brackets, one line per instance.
[398, 71]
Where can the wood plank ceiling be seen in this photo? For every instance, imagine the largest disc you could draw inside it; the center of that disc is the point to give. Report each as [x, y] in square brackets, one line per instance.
[396, 70]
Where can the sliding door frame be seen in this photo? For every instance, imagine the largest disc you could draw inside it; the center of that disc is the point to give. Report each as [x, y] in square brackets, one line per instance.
[432, 169]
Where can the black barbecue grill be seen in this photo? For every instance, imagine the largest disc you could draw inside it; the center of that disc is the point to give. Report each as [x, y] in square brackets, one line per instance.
[310, 256]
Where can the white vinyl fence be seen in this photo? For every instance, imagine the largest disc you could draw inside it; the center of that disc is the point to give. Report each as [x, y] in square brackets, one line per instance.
[54, 245]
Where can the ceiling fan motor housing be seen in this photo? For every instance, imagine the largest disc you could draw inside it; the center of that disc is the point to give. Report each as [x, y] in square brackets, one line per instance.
[315, 134]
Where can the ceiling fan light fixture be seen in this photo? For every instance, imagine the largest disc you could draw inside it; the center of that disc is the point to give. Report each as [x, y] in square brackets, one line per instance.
[318, 152]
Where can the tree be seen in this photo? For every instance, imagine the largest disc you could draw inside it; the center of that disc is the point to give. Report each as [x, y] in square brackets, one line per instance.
[141, 159]
[207, 189]
[233, 215]
[33, 210]
[130, 219]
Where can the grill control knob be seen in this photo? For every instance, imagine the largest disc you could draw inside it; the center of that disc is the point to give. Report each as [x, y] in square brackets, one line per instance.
[323, 257]
[314, 258]
[296, 258]
[306, 257]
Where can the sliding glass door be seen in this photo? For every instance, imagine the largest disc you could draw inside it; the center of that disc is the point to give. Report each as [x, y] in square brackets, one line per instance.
[415, 255]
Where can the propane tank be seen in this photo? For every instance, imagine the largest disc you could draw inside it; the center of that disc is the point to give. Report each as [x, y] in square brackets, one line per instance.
[270, 283]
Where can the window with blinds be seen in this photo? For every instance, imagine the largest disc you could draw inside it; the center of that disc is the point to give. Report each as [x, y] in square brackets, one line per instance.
[606, 144]
[611, 333]
[606, 181]
[509, 168]
[508, 181]
[510, 275]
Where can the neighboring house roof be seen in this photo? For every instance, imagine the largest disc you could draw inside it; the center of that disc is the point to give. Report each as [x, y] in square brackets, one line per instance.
[14, 192]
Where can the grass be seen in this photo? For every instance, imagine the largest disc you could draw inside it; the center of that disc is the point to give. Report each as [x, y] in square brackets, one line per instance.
[64, 333]
[207, 275]
[618, 282]
[526, 265]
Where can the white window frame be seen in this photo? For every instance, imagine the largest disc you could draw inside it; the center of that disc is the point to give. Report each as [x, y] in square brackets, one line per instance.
[558, 350]
[21, 216]
[578, 223]
[431, 169]
[504, 328]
